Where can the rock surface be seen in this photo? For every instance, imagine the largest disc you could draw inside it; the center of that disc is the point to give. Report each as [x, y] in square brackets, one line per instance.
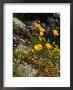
[25, 70]
[21, 67]
[20, 32]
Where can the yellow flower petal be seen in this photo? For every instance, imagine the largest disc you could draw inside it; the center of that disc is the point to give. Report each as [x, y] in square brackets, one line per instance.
[36, 25]
[48, 45]
[42, 29]
[38, 47]
[55, 33]
[41, 33]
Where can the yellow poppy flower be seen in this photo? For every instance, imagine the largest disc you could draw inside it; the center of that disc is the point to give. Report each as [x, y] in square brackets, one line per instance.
[36, 25]
[55, 33]
[48, 45]
[41, 33]
[38, 47]
[42, 29]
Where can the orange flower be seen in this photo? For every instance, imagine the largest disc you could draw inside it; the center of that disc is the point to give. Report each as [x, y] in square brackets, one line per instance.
[36, 25]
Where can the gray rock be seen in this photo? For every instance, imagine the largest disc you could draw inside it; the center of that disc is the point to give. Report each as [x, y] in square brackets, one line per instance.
[20, 32]
[22, 53]
[18, 40]
[20, 58]
[25, 70]
[20, 28]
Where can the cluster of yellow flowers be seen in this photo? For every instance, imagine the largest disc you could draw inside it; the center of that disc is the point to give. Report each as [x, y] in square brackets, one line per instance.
[38, 47]
[41, 29]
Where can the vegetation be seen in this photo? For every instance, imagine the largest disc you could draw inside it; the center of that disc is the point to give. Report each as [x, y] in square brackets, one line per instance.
[38, 55]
